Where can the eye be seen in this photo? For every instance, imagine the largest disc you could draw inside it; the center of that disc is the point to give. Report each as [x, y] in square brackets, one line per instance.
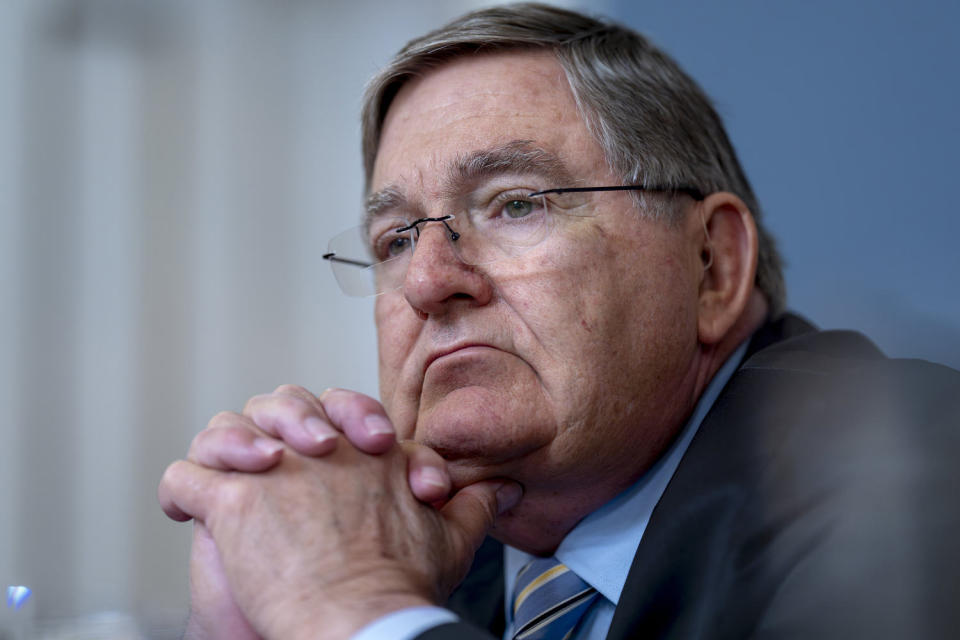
[518, 208]
[390, 244]
[396, 243]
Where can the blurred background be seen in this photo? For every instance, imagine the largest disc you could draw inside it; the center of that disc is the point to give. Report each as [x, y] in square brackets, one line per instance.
[170, 171]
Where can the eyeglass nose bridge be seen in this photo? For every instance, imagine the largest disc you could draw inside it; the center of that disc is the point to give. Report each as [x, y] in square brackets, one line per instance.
[415, 227]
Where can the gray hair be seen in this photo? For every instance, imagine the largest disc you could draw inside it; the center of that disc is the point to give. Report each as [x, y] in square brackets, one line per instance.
[653, 122]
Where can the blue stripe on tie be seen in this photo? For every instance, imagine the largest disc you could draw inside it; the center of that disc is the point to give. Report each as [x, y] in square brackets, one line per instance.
[552, 599]
[558, 622]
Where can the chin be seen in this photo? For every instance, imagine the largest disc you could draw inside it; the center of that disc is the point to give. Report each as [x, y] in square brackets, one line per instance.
[475, 426]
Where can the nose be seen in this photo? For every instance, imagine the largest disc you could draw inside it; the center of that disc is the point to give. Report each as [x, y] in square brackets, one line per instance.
[438, 279]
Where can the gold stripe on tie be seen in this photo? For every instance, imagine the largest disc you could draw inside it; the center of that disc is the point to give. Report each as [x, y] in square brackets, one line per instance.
[546, 618]
[537, 582]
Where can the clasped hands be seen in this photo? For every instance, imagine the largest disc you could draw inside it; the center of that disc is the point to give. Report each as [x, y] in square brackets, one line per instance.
[311, 520]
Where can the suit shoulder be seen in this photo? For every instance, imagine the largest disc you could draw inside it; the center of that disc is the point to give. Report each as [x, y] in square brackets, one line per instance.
[818, 499]
[844, 375]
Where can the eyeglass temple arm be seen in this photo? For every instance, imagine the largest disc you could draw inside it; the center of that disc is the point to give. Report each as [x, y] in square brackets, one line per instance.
[332, 257]
[693, 192]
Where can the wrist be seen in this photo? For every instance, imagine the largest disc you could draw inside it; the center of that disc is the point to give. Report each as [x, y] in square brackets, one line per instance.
[336, 622]
[340, 610]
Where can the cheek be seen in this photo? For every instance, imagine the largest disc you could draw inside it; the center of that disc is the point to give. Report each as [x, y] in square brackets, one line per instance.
[568, 289]
[615, 298]
[394, 342]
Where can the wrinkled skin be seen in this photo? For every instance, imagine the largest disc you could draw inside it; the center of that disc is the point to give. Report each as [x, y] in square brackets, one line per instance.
[526, 392]
[548, 400]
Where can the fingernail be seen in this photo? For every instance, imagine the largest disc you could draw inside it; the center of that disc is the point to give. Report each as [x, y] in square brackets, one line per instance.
[508, 495]
[319, 429]
[433, 476]
[377, 425]
[267, 445]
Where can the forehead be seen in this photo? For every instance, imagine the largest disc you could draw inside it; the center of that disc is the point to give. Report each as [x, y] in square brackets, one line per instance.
[479, 102]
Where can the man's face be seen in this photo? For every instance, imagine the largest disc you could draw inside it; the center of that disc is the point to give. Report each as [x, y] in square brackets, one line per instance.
[568, 368]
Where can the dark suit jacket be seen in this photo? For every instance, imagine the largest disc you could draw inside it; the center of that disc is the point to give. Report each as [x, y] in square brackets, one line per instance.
[819, 498]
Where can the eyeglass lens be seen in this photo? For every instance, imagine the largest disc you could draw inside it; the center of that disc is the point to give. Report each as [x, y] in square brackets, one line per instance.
[372, 261]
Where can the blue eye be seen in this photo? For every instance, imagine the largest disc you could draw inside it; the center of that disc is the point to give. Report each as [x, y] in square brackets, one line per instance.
[390, 244]
[518, 208]
[397, 245]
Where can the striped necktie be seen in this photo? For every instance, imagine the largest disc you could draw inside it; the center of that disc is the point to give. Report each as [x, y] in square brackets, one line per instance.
[549, 601]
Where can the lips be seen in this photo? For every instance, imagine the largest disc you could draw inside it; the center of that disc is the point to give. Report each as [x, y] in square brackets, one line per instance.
[445, 352]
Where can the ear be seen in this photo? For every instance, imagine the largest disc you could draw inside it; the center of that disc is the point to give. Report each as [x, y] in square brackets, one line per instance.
[729, 258]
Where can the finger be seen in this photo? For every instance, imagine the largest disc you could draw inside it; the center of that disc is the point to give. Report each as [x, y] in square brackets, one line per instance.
[427, 473]
[296, 421]
[299, 392]
[185, 490]
[235, 448]
[361, 418]
[474, 509]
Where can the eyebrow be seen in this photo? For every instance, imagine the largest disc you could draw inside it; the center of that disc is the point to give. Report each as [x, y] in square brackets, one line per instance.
[517, 156]
[376, 203]
[514, 157]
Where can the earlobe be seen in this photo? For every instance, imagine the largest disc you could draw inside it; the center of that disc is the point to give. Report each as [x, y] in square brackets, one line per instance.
[729, 258]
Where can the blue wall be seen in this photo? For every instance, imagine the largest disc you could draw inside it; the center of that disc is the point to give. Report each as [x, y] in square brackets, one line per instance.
[845, 115]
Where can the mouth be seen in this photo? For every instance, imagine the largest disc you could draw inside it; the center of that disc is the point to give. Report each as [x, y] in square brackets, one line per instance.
[436, 355]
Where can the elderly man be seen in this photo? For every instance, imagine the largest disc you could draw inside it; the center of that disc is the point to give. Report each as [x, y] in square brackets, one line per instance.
[584, 356]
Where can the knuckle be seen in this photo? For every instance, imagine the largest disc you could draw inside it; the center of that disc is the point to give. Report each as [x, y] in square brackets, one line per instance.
[327, 392]
[171, 473]
[289, 406]
[253, 402]
[343, 402]
[231, 436]
[276, 408]
[211, 440]
[339, 396]
[223, 419]
[198, 442]
[292, 390]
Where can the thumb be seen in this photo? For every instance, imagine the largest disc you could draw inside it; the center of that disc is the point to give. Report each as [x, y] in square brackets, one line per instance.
[474, 509]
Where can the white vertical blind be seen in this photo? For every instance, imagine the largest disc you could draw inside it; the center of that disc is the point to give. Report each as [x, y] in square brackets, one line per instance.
[108, 208]
[12, 36]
